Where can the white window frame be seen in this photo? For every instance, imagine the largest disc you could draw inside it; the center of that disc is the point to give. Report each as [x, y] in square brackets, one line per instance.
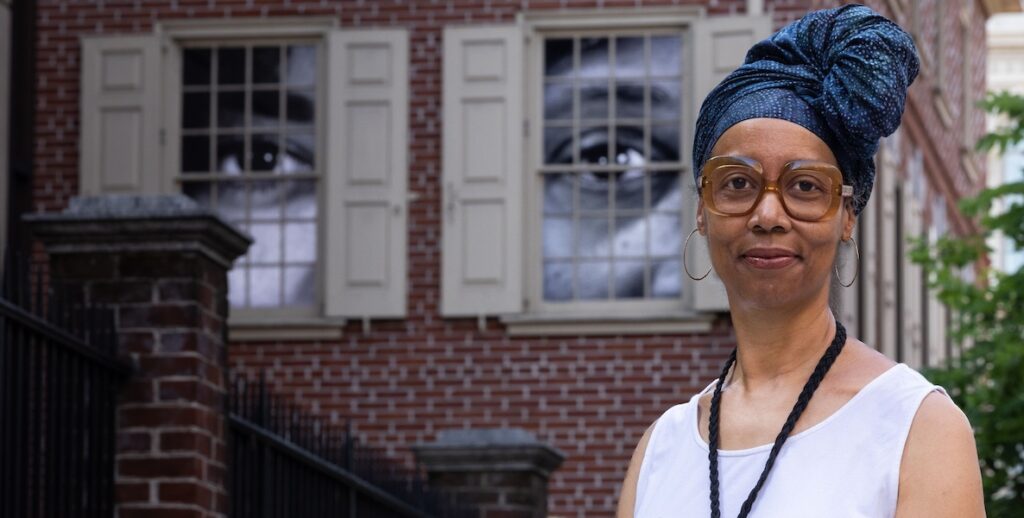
[178, 35]
[539, 27]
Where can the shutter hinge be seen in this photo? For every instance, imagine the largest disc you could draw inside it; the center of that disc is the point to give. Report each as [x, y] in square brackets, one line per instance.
[526, 127]
[163, 136]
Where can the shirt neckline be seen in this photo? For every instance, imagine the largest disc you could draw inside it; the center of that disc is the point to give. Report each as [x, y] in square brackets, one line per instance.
[695, 423]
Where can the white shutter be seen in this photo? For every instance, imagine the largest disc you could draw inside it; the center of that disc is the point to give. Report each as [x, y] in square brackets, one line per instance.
[367, 173]
[719, 46]
[120, 115]
[482, 171]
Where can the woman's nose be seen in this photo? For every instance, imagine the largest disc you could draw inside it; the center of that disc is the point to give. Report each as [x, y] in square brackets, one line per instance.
[769, 214]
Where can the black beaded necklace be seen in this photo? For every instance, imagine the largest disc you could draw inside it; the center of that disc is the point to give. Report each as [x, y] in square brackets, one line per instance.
[824, 364]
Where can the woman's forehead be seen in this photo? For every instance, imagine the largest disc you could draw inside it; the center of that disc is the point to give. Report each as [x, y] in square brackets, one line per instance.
[772, 142]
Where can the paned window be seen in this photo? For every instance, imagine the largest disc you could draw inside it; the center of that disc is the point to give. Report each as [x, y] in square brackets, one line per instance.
[611, 166]
[249, 150]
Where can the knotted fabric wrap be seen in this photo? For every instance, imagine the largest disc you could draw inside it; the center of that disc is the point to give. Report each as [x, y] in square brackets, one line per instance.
[841, 73]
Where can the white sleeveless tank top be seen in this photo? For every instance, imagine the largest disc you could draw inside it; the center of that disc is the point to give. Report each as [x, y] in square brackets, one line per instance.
[846, 466]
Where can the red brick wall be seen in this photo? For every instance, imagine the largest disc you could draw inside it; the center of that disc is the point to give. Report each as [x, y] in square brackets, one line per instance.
[403, 381]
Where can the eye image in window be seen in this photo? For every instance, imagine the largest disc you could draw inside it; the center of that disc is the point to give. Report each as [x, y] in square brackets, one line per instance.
[611, 172]
[248, 150]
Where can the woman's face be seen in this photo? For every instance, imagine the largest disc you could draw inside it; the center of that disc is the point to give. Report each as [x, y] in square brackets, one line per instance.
[768, 259]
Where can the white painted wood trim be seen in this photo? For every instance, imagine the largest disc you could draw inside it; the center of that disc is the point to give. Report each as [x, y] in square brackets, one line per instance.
[220, 29]
[537, 325]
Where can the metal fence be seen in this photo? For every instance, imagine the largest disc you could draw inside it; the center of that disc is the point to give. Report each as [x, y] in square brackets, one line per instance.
[58, 382]
[286, 463]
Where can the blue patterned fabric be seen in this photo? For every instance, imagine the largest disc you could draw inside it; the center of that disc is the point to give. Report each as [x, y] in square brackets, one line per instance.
[841, 73]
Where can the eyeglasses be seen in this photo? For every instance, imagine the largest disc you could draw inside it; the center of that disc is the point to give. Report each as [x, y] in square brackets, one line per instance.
[809, 191]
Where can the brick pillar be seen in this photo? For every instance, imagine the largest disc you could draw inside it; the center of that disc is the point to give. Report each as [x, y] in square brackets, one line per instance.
[162, 263]
[502, 471]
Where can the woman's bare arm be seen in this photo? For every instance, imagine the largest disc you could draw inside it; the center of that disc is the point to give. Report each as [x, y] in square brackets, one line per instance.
[939, 473]
[627, 498]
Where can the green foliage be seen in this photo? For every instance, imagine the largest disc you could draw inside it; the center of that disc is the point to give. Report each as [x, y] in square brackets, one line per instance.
[987, 379]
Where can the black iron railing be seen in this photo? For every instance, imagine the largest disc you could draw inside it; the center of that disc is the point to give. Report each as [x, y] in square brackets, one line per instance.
[58, 381]
[286, 463]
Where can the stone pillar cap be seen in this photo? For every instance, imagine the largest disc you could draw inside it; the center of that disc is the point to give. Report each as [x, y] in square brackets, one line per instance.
[124, 223]
[491, 449]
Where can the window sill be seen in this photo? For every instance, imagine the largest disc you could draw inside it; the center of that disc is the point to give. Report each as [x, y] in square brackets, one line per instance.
[568, 325]
[284, 329]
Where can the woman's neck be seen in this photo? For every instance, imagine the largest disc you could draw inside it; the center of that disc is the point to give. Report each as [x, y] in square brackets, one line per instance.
[780, 348]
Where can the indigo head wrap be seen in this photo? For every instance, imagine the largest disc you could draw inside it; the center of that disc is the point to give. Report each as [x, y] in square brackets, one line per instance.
[841, 73]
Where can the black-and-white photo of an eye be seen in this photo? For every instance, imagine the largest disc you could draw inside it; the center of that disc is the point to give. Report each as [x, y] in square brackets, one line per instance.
[611, 147]
[248, 150]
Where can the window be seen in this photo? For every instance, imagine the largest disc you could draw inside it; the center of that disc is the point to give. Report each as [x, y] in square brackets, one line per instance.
[566, 172]
[249, 141]
[292, 129]
[611, 173]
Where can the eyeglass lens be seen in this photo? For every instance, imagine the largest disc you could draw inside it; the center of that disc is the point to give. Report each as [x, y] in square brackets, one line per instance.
[806, 193]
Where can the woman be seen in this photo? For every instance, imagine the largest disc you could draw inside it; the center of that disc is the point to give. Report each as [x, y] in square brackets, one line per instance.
[804, 421]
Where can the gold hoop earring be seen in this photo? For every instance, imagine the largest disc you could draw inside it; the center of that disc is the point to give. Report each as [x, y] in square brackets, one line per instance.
[687, 270]
[856, 271]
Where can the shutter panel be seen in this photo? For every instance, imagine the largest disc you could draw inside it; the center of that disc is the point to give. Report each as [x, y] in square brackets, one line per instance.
[120, 115]
[367, 173]
[720, 44]
[482, 171]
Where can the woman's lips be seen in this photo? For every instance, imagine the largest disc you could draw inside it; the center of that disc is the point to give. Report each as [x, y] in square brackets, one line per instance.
[769, 259]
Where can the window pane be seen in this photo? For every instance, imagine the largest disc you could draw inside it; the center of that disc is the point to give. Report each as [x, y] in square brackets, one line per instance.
[558, 103]
[195, 154]
[594, 101]
[665, 143]
[231, 66]
[300, 199]
[558, 145]
[195, 110]
[196, 65]
[265, 200]
[629, 56]
[265, 286]
[665, 192]
[593, 239]
[664, 235]
[629, 100]
[629, 279]
[629, 190]
[593, 142]
[237, 285]
[198, 191]
[300, 106]
[557, 238]
[557, 280]
[594, 57]
[264, 154]
[266, 64]
[298, 285]
[665, 55]
[558, 57]
[266, 247]
[299, 242]
[266, 108]
[232, 201]
[230, 109]
[665, 100]
[301, 65]
[299, 154]
[592, 280]
[594, 191]
[558, 191]
[630, 237]
[231, 154]
[629, 145]
[665, 279]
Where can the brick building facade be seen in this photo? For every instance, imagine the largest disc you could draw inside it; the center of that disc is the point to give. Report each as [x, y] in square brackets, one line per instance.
[411, 274]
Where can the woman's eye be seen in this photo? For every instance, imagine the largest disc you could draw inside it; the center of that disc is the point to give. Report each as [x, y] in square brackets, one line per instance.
[738, 183]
